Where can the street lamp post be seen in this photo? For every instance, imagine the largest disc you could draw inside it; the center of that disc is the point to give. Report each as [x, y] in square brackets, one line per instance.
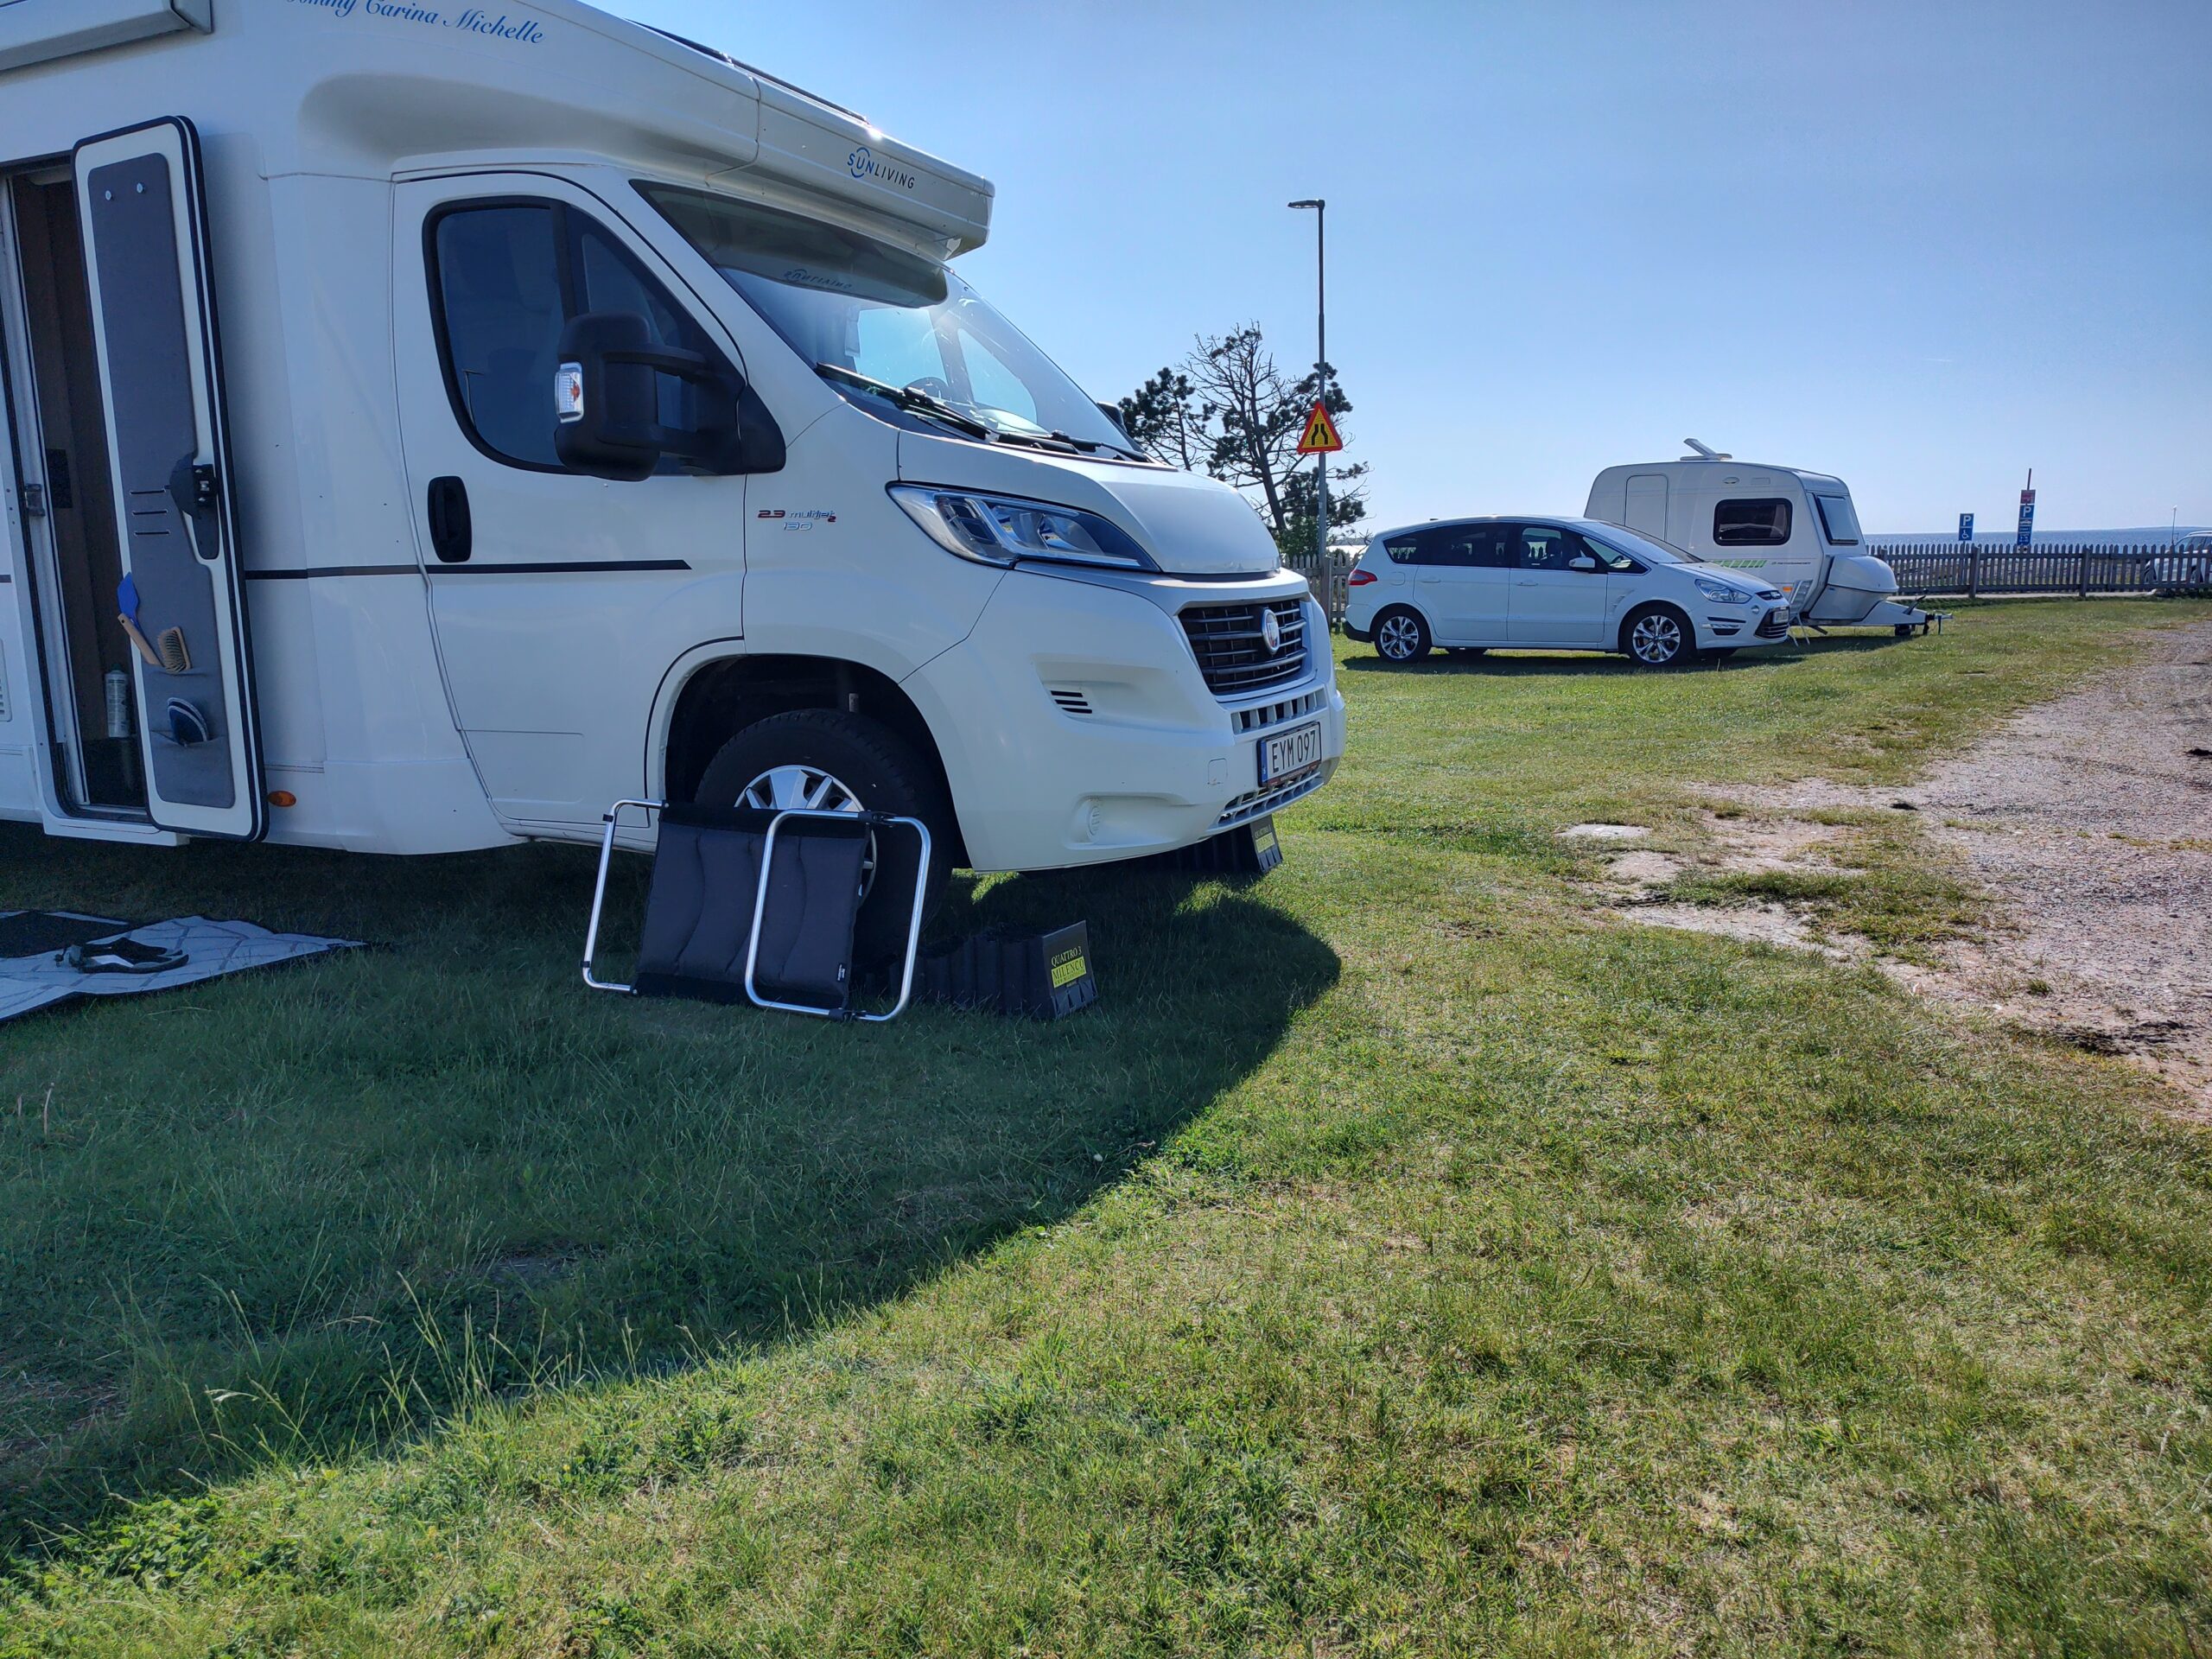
[1321, 369]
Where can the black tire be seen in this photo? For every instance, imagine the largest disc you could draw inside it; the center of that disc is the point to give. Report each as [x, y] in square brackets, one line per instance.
[882, 771]
[1400, 636]
[1468, 651]
[1657, 636]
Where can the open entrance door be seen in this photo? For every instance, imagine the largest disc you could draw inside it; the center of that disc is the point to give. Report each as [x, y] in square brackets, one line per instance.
[145, 230]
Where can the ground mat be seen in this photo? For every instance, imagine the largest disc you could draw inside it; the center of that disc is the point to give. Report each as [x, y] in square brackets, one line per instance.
[40, 978]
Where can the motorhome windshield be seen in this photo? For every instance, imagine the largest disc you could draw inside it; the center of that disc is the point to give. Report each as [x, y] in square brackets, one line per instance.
[879, 322]
[1838, 522]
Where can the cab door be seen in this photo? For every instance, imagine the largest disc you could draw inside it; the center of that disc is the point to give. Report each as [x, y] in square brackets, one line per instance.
[143, 211]
[558, 600]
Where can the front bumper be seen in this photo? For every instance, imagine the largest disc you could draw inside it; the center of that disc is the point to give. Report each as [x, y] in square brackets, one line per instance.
[1076, 728]
[1744, 627]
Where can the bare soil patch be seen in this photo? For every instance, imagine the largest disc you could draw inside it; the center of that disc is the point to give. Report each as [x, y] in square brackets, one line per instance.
[2089, 819]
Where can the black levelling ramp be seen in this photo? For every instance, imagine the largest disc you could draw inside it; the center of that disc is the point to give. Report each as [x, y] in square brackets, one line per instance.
[1038, 973]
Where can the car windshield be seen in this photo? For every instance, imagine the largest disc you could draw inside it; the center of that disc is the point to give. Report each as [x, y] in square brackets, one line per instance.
[1638, 544]
[879, 321]
[1838, 521]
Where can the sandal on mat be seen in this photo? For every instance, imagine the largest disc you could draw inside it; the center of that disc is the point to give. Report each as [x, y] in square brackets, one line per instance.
[121, 956]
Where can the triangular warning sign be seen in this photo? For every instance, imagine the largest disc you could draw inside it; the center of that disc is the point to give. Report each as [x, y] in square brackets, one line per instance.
[1320, 437]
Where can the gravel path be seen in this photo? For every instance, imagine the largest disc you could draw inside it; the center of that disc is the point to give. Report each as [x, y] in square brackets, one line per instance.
[2091, 819]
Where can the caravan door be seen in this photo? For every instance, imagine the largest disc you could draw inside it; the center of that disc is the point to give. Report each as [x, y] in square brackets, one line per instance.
[143, 211]
[1646, 503]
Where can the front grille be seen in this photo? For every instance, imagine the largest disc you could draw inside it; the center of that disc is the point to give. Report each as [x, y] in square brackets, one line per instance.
[1261, 802]
[1261, 715]
[1233, 653]
[1774, 625]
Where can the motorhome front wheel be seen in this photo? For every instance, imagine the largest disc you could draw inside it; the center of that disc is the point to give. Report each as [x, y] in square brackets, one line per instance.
[833, 762]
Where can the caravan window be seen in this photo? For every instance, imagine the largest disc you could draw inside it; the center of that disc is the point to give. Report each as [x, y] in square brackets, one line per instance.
[505, 279]
[1838, 522]
[1760, 522]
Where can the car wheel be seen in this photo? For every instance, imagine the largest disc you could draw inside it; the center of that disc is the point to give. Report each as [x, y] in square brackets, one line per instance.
[836, 762]
[1657, 636]
[1400, 636]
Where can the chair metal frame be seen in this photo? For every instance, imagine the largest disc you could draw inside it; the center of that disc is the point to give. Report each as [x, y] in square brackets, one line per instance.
[611, 819]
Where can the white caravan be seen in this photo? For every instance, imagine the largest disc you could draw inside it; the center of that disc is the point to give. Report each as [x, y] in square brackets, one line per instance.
[1796, 531]
[480, 414]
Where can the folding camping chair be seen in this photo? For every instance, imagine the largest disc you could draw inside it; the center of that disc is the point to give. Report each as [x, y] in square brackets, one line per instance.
[757, 906]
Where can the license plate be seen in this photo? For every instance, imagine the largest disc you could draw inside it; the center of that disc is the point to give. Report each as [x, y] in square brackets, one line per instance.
[1296, 750]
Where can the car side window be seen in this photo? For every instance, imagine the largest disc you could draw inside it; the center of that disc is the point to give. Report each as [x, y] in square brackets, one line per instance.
[1489, 546]
[1545, 547]
[1758, 521]
[1611, 560]
[1451, 545]
[1404, 549]
[505, 278]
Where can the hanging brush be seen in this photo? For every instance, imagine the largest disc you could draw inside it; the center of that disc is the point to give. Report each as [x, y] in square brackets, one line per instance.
[175, 658]
[145, 645]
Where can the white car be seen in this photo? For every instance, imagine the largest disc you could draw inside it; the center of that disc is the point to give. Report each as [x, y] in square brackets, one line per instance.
[1552, 584]
[2187, 571]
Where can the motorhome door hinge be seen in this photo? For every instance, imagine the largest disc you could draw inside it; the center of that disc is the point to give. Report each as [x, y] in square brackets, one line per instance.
[33, 500]
[203, 487]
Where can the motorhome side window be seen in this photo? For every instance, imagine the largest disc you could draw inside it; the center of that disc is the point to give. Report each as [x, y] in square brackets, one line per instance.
[1761, 521]
[506, 277]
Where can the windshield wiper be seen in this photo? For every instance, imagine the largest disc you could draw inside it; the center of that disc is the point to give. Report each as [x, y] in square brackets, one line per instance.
[906, 397]
[1096, 448]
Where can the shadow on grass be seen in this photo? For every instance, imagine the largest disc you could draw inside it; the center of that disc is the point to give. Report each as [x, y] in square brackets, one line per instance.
[299, 1213]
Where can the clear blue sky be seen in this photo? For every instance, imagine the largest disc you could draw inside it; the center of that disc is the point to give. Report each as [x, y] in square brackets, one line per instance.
[1921, 246]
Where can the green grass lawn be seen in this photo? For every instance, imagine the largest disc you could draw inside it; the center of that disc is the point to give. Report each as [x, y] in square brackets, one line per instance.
[1405, 1257]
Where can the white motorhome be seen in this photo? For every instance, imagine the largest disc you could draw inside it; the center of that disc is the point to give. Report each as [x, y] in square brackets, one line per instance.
[1797, 530]
[483, 413]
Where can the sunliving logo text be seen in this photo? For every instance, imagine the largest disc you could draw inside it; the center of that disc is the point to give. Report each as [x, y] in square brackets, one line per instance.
[472, 21]
[862, 164]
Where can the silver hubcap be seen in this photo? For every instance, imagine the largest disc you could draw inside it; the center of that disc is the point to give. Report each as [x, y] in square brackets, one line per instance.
[1655, 639]
[1400, 637]
[780, 789]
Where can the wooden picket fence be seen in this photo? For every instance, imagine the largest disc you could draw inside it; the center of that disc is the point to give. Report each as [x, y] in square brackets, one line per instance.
[1972, 570]
[1327, 578]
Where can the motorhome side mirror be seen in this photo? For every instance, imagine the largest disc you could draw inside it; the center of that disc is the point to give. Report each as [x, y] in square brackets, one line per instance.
[1113, 414]
[1582, 561]
[608, 403]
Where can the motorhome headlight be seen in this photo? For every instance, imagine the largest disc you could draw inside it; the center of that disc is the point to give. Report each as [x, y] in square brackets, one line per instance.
[1721, 593]
[1006, 530]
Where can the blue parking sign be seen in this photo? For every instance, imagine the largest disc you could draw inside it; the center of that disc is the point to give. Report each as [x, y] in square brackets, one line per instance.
[2027, 518]
[1966, 527]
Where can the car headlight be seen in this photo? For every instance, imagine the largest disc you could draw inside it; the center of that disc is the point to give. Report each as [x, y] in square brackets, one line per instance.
[1005, 530]
[1720, 593]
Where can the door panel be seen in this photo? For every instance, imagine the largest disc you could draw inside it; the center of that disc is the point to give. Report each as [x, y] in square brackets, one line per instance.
[145, 217]
[558, 600]
[1552, 604]
[1462, 587]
